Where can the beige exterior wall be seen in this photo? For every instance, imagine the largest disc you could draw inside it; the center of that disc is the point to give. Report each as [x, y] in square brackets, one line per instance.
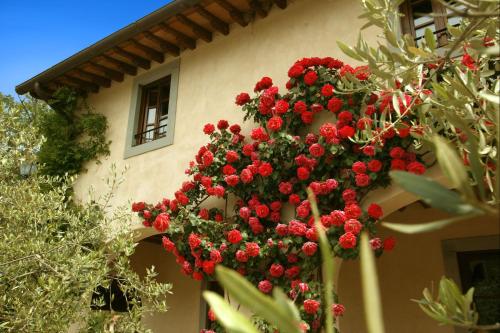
[417, 262]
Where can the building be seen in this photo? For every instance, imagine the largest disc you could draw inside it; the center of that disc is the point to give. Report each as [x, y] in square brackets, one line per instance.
[160, 79]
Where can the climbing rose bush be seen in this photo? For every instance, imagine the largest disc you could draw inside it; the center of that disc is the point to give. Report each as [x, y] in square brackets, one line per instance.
[305, 137]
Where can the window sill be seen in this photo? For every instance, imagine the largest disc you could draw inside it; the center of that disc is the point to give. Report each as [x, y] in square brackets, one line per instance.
[147, 147]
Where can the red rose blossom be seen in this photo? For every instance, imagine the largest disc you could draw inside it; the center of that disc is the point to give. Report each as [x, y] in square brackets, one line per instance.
[265, 286]
[309, 248]
[276, 270]
[162, 222]
[310, 78]
[208, 128]
[274, 124]
[327, 90]
[347, 240]
[311, 306]
[375, 211]
[234, 236]
[242, 99]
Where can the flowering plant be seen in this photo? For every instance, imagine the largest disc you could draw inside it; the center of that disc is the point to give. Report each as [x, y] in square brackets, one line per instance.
[266, 230]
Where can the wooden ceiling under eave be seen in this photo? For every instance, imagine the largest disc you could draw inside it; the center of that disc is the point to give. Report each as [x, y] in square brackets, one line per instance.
[179, 31]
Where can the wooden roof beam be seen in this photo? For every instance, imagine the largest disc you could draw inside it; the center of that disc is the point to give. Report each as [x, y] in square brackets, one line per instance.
[94, 78]
[258, 7]
[164, 45]
[197, 29]
[233, 12]
[127, 68]
[182, 39]
[281, 3]
[151, 53]
[79, 83]
[134, 58]
[214, 21]
[108, 72]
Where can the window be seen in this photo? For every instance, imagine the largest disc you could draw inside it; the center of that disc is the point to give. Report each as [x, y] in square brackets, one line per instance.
[152, 110]
[418, 17]
[153, 119]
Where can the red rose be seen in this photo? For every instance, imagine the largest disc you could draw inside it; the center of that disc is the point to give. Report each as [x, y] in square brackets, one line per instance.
[241, 256]
[294, 199]
[215, 256]
[208, 129]
[349, 195]
[302, 173]
[274, 124]
[292, 272]
[299, 107]
[347, 240]
[208, 267]
[264, 83]
[295, 71]
[310, 78]
[194, 241]
[276, 270]
[265, 286]
[416, 168]
[247, 149]
[281, 106]
[219, 191]
[234, 236]
[246, 176]
[375, 211]
[309, 248]
[232, 180]
[338, 218]
[252, 249]
[211, 316]
[352, 211]
[162, 222]
[307, 117]
[303, 287]
[311, 306]
[282, 229]
[327, 90]
[203, 213]
[167, 244]
[374, 165]
[275, 206]
[398, 164]
[353, 226]
[338, 310]
[335, 104]
[303, 211]
[469, 62]
[235, 129]
[369, 151]
[297, 228]
[316, 150]
[346, 132]
[345, 116]
[362, 180]
[138, 206]
[328, 131]
[397, 152]
[375, 243]
[359, 167]
[259, 134]
[242, 99]
[232, 156]
[222, 124]
[207, 158]
[244, 213]
[389, 243]
[228, 169]
[265, 169]
[262, 211]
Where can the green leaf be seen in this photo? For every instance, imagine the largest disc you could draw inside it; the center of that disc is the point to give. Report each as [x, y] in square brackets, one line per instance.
[349, 51]
[429, 39]
[286, 304]
[490, 97]
[247, 295]
[432, 192]
[452, 166]
[371, 293]
[232, 320]
[427, 227]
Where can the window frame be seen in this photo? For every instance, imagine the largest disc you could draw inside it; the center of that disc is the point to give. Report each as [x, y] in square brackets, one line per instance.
[408, 21]
[135, 120]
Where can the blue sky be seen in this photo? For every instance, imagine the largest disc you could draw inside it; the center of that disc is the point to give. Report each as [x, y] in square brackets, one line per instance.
[36, 34]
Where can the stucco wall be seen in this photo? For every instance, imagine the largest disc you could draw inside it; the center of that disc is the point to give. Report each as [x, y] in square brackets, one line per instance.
[210, 78]
[416, 263]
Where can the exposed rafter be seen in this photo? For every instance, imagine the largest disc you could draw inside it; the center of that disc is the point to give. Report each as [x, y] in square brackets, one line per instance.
[214, 21]
[134, 58]
[258, 7]
[234, 12]
[76, 82]
[197, 29]
[127, 68]
[152, 54]
[94, 78]
[182, 39]
[164, 45]
[108, 72]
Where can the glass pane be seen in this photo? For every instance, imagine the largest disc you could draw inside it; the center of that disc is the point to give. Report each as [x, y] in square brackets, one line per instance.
[454, 20]
[153, 97]
[148, 136]
[421, 11]
[164, 109]
[151, 115]
[165, 91]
